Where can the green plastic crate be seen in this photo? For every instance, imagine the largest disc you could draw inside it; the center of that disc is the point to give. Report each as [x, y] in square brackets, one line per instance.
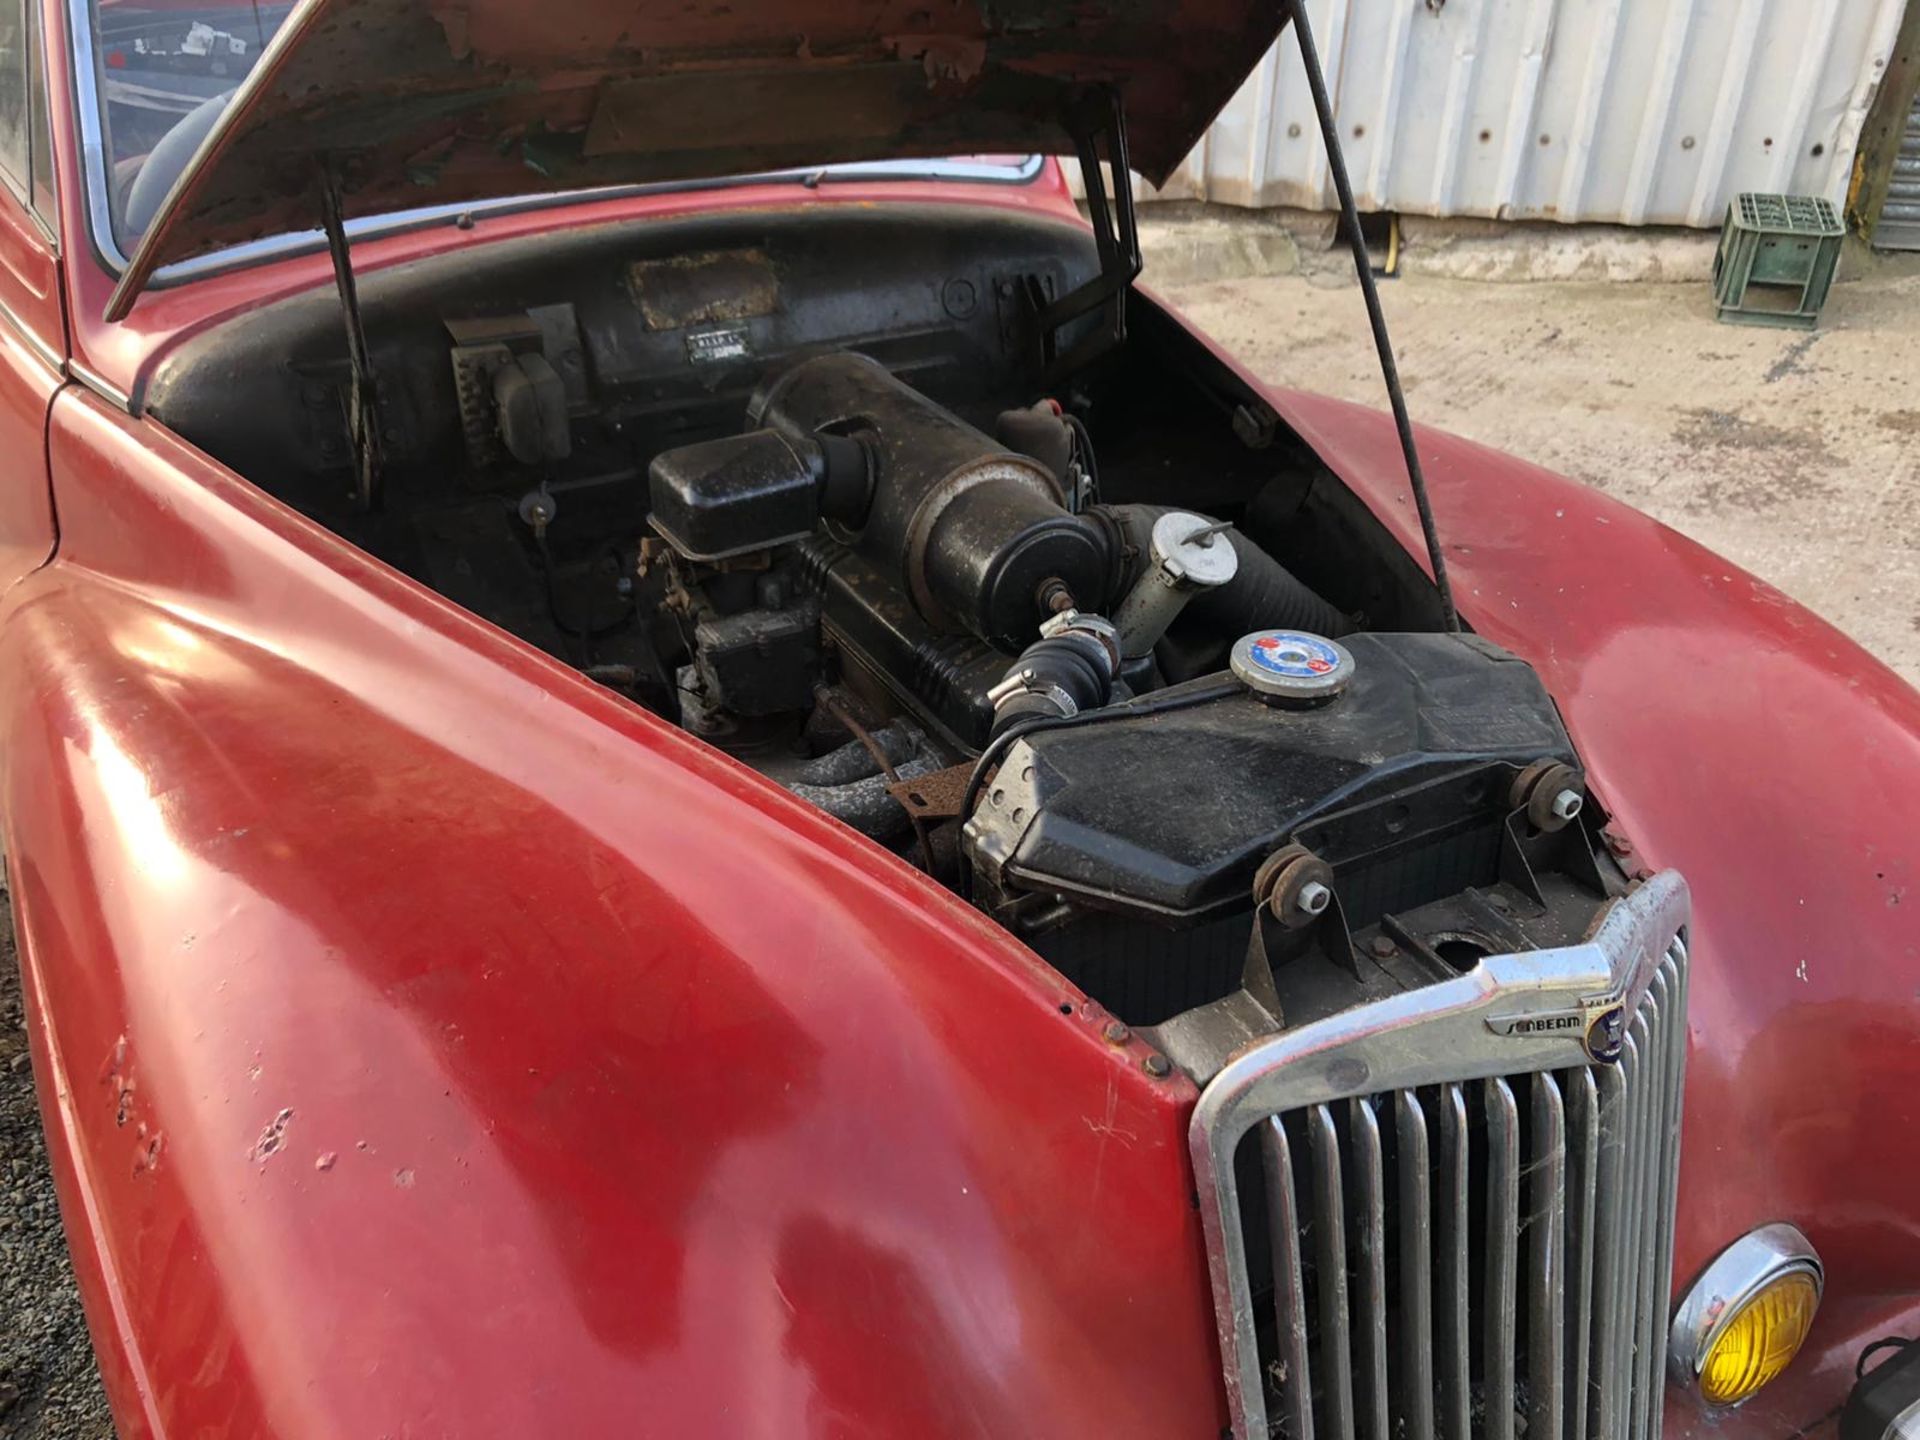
[1776, 261]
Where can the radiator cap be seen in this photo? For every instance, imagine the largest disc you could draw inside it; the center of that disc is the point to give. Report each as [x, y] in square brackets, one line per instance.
[1291, 667]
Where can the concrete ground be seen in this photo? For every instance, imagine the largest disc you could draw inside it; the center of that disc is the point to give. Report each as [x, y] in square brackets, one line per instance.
[1794, 454]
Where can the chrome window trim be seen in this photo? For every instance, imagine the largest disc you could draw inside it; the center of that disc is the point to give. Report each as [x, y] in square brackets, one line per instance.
[99, 209]
[1726, 1287]
[83, 67]
[397, 222]
[1435, 1036]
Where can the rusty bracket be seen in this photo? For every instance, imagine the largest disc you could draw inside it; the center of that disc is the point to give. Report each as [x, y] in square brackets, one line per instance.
[937, 796]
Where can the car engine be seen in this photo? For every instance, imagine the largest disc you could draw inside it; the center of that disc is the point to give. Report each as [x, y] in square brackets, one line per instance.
[1124, 731]
[1104, 649]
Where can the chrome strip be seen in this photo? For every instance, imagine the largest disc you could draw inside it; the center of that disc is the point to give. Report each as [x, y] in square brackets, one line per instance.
[1284, 1221]
[1584, 1163]
[1503, 1245]
[1370, 1175]
[100, 386]
[1456, 1386]
[1330, 1265]
[94, 161]
[1546, 1262]
[399, 222]
[1416, 1264]
[1435, 1036]
[83, 68]
[1610, 1254]
[30, 338]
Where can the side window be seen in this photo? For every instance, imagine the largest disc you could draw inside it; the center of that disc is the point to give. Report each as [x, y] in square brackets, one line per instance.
[13, 95]
[40, 124]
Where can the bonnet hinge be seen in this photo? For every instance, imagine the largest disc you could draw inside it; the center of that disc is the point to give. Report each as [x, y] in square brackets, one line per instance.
[1099, 129]
[363, 407]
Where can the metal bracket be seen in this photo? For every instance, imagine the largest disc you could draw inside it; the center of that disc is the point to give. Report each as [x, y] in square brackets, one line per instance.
[1099, 131]
[363, 409]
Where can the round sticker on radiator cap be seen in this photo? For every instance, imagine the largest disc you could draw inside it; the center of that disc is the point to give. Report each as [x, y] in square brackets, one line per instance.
[1292, 666]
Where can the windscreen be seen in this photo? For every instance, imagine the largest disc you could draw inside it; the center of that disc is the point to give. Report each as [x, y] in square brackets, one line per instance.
[162, 73]
[163, 70]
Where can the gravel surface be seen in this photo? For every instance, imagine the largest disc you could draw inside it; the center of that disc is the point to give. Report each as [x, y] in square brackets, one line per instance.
[49, 1388]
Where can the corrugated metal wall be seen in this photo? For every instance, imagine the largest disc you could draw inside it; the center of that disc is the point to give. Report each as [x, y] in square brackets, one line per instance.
[1899, 225]
[1627, 111]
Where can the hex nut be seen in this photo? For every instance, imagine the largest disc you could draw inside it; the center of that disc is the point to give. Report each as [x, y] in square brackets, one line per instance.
[1283, 883]
[1539, 789]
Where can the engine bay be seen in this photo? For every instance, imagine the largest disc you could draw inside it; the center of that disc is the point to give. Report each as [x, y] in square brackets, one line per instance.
[1112, 655]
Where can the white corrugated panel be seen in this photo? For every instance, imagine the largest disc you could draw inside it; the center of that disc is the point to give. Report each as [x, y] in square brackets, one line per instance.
[1628, 111]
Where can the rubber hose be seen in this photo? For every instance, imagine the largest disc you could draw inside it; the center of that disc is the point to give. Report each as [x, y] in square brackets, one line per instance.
[865, 804]
[1263, 594]
[853, 761]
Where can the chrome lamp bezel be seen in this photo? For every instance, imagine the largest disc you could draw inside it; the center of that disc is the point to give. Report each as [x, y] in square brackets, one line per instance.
[1736, 1277]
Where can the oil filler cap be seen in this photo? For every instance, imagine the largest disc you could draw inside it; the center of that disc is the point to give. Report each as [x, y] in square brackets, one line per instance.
[1291, 667]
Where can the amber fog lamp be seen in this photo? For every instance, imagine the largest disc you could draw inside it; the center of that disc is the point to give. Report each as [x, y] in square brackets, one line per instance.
[1745, 1319]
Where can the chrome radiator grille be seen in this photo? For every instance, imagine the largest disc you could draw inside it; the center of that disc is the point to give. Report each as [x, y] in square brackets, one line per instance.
[1444, 1225]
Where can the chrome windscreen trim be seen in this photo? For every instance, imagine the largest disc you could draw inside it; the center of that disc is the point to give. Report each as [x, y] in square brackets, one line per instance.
[1437, 1036]
[83, 68]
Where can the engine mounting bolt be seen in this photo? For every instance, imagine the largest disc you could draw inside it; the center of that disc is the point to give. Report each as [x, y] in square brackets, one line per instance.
[1116, 1033]
[1567, 804]
[1157, 1065]
[1383, 947]
[1313, 897]
[1619, 844]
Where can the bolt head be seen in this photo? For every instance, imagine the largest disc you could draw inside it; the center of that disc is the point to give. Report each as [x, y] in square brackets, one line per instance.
[1383, 947]
[1567, 804]
[1116, 1033]
[1157, 1065]
[1313, 898]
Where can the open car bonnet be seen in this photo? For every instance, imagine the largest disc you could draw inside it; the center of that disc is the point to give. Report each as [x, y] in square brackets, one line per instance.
[423, 102]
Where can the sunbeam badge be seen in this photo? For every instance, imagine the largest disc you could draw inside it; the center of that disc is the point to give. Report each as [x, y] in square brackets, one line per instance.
[1599, 1022]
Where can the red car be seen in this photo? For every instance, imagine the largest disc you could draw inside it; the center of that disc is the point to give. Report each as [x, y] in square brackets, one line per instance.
[649, 804]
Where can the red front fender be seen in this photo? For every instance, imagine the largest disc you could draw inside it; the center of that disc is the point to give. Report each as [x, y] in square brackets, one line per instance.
[1740, 739]
[436, 1045]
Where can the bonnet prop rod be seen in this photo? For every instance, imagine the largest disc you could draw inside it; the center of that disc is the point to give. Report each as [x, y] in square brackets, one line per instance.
[363, 409]
[1363, 267]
